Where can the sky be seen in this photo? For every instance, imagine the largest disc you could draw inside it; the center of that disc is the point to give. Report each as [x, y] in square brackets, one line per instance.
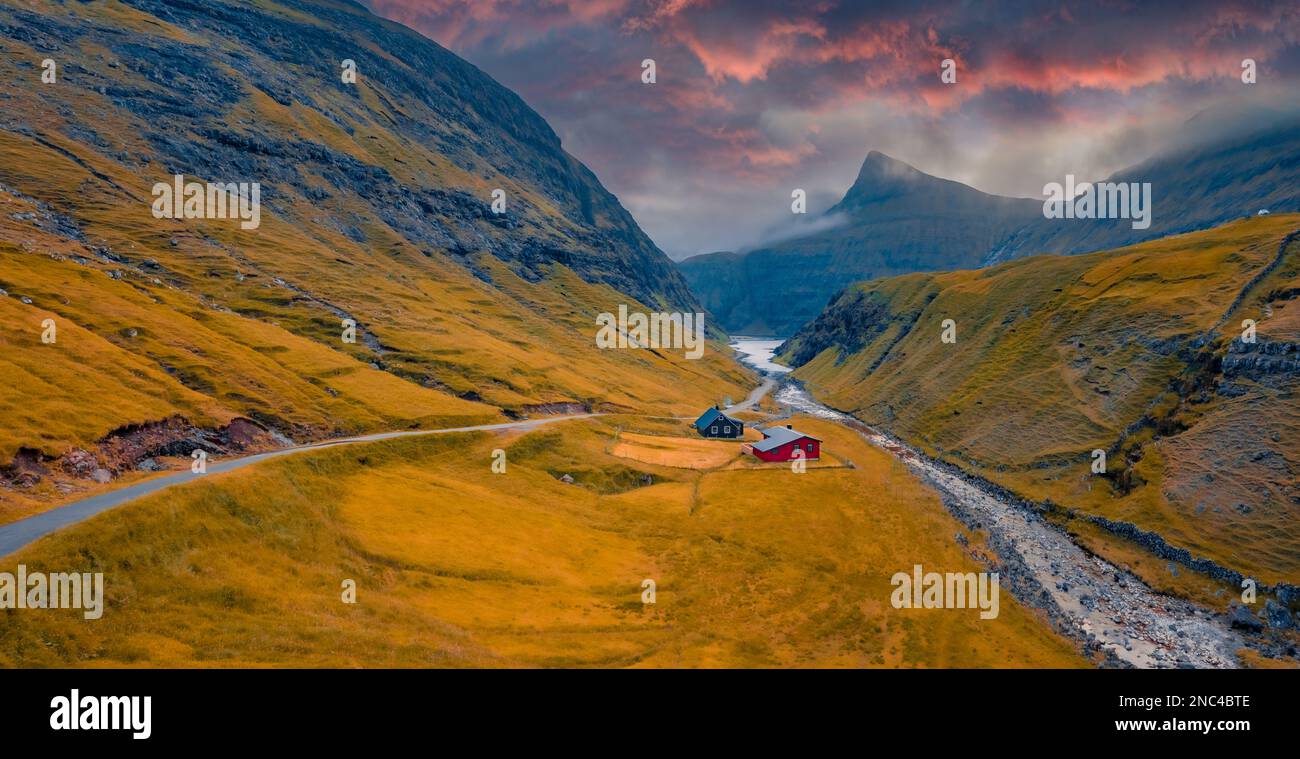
[754, 99]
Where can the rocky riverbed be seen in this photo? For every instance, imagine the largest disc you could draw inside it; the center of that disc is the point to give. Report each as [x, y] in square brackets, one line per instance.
[1109, 610]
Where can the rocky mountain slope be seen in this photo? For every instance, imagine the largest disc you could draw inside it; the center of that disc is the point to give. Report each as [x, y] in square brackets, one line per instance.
[375, 209]
[893, 220]
[1137, 352]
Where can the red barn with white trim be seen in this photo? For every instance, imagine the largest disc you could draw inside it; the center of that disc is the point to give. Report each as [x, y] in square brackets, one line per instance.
[780, 444]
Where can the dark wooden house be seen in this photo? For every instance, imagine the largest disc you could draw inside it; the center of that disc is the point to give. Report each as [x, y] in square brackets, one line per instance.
[714, 423]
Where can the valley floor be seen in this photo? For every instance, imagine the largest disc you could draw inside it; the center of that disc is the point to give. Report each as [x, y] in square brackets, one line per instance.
[547, 563]
[455, 565]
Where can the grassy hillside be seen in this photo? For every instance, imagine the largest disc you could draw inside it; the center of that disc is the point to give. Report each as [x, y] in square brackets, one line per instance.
[1135, 351]
[457, 566]
[375, 209]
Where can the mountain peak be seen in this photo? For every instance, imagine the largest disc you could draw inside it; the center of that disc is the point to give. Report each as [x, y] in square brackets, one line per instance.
[880, 164]
[882, 177]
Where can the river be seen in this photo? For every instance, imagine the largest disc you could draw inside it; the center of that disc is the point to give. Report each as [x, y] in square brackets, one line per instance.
[759, 354]
[1105, 608]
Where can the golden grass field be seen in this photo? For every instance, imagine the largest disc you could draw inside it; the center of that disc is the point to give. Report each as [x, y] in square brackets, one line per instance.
[682, 452]
[1057, 356]
[457, 566]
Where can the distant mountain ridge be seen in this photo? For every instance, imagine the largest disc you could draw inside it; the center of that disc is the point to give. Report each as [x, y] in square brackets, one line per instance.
[1192, 189]
[897, 219]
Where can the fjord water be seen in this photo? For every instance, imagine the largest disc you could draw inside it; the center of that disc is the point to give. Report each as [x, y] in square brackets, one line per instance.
[758, 353]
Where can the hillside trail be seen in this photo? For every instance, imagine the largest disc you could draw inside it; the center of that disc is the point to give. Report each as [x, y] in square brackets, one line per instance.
[1109, 610]
[1273, 265]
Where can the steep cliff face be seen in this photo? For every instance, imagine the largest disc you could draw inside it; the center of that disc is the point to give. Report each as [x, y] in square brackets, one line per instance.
[894, 219]
[417, 144]
[1138, 352]
[375, 210]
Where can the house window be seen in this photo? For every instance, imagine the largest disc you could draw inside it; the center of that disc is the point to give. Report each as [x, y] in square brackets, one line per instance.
[726, 430]
[713, 430]
[810, 447]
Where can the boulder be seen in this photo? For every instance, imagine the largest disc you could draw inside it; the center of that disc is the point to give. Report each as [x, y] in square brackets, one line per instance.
[79, 462]
[1241, 618]
[1278, 616]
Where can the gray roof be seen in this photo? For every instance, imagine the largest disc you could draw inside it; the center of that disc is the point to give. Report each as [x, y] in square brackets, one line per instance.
[709, 416]
[775, 437]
